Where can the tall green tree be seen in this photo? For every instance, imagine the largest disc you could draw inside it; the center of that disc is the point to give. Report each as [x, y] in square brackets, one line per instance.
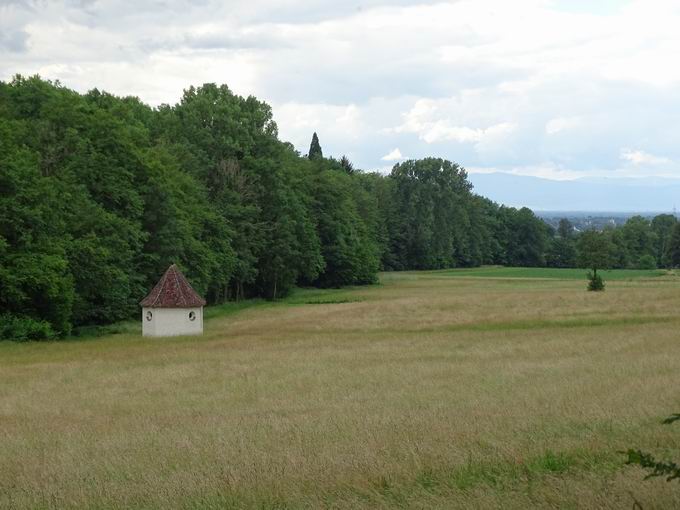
[350, 254]
[565, 229]
[620, 256]
[594, 251]
[526, 238]
[315, 151]
[640, 239]
[35, 280]
[346, 164]
[222, 139]
[673, 251]
[562, 247]
[434, 208]
[662, 226]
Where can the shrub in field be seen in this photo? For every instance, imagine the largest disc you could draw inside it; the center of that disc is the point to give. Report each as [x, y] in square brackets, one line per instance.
[24, 328]
[595, 282]
[647, 262]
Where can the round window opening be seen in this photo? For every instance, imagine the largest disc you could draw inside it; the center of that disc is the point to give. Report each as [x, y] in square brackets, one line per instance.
[149, 316]
[192, 316]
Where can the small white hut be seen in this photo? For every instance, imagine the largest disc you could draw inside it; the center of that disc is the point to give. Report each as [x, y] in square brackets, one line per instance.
[172, 307]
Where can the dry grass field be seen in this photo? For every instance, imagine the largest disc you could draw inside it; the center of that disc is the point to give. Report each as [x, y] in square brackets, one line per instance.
[426, 391]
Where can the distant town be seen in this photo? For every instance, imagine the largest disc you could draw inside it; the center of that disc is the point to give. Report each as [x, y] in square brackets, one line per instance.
[590, 220]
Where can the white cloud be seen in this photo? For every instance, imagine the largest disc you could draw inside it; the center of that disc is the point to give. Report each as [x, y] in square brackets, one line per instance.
[442, 130]
[431, 121]
[641, 158]
[554, 126]
[339, 127]
[394, 155]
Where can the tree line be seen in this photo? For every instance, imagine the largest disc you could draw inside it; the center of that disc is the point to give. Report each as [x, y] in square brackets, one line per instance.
[641, 243]
[100, 194]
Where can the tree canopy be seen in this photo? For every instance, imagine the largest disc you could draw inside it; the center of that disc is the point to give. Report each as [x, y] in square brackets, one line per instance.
[595, 251]
[100, 194]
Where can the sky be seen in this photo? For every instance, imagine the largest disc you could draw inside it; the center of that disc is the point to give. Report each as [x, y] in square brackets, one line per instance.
[557, 89]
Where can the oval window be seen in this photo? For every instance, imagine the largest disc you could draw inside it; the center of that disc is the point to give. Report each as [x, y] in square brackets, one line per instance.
[149, 316]
[192, 316]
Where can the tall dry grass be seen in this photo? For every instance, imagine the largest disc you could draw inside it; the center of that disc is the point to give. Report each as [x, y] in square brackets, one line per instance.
[423, 392]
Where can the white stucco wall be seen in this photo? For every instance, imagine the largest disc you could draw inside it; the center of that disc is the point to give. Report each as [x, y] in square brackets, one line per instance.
[172, 321]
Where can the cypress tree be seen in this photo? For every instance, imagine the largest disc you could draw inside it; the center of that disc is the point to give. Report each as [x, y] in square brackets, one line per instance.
[315, 148]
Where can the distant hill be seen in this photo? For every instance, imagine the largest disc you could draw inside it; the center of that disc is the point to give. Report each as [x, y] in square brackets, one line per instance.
[593, 195]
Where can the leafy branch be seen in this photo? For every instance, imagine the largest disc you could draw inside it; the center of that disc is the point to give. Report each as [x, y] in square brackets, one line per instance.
[669, 470]
[672, 418]
[658, 468]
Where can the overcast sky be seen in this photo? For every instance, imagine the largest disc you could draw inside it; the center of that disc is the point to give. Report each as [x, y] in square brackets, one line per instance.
[550, 88]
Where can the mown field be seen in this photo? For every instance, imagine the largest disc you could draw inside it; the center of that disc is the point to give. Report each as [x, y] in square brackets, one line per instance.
[480, 388]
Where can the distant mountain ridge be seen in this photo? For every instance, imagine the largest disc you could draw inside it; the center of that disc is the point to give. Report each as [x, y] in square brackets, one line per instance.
[585, 195]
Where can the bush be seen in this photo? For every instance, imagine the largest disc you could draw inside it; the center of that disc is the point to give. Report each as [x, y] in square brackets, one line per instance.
[21, 329]
[595, 282]
[647, 262]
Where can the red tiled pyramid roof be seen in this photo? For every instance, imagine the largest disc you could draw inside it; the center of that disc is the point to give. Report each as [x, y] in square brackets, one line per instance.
[172, 291]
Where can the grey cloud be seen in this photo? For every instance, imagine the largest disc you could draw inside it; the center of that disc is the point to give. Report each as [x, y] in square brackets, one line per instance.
[214, 41]
[319, 10]
[211, 41]
[318, 82]
[111, 13]
[14, 41]
[14, 15]
[19, 3]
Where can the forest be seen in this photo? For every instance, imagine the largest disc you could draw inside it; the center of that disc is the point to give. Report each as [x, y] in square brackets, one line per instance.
[100, 194]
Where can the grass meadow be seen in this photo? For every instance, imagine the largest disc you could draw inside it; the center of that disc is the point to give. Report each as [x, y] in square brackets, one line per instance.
[481, 388]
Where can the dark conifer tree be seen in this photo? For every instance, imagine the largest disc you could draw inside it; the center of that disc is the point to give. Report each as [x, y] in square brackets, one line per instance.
[315, 151]
[346, 165]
